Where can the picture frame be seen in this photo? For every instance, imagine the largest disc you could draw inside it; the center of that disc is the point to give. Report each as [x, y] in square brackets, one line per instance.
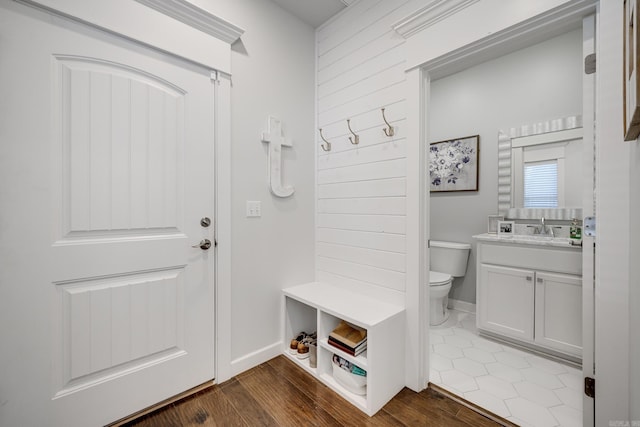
[631, 80]
[506, 228]
[492, 223]
[453, 164]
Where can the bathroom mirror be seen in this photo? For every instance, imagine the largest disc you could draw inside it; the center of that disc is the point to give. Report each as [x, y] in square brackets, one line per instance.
[540, 170]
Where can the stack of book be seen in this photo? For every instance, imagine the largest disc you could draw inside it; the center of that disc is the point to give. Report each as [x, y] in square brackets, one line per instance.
[350, 339]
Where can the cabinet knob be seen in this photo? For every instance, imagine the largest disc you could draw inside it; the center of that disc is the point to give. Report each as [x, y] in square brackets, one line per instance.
[529, 278]
[540, 280]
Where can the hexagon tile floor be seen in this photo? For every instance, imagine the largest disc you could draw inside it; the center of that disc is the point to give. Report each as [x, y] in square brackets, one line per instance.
[521, 387]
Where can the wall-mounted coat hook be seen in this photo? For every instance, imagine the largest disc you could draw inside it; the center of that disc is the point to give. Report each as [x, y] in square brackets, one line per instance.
[328, 147]
[389, 131]
[356, 138]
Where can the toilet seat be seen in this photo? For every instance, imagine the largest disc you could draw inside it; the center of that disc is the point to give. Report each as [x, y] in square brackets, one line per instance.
[437, 278]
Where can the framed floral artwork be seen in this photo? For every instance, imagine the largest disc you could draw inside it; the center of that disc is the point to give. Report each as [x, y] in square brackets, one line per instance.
[453, 164]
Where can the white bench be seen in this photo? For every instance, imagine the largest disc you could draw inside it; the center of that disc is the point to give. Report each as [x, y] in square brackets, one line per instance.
[319, 306]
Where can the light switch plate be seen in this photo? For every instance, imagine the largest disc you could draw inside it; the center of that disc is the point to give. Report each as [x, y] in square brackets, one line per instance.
[253, 209]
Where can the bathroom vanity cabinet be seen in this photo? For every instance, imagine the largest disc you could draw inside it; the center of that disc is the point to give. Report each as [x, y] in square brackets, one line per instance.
[530, 294]
[318, 306]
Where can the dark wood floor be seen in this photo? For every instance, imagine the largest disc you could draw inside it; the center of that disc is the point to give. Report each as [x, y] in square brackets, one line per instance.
[279, 393]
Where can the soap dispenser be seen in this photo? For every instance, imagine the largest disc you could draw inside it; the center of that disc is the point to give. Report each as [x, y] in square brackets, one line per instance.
[575, 231]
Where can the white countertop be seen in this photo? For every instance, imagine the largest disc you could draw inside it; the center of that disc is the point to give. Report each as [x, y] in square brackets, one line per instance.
[524, 239]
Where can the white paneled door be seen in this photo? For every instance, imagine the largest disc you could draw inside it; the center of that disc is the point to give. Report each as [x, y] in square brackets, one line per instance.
[106, 171]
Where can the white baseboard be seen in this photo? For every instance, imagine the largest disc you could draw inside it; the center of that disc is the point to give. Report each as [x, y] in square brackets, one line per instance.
[254, 359]
[462, 305]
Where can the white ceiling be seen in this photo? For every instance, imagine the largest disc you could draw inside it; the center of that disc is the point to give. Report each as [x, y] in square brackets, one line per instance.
[314, 12]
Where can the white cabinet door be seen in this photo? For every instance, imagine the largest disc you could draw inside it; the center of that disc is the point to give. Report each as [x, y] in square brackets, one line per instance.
[559, 312]
[105, 173]
[505, 301]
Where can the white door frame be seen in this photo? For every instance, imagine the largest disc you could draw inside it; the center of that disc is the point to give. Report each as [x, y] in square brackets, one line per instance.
[588, 209]
[417, 95]
[222, 224]
[417, 294]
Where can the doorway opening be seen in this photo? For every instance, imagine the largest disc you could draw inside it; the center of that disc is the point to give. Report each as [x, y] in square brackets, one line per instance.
[509, 381]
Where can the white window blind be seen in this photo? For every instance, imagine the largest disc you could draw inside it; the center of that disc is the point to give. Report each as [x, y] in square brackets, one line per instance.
[541, 184]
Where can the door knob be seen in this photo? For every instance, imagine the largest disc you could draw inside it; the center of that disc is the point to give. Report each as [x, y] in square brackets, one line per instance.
[204, 244]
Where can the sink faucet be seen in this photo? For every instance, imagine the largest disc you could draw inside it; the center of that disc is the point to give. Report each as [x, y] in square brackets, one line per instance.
[542, 228]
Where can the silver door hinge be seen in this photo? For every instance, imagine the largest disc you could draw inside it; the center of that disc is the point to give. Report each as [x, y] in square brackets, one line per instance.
[590, 386]
[589, 224]
[590, 64]
[215, 76]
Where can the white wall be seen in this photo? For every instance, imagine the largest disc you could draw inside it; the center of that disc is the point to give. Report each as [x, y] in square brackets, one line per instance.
[361, 206]
[634, 289]
[272, 73]
[617, 298]
[539, 83]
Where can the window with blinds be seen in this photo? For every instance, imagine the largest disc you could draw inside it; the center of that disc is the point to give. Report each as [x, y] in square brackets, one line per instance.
[541, 184]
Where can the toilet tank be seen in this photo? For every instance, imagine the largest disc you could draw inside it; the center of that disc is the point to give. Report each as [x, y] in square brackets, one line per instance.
[449, 257]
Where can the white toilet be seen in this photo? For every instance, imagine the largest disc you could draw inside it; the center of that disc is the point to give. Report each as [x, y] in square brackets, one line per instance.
[448, 260]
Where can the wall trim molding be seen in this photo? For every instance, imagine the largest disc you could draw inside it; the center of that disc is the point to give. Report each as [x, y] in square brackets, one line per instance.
[181, 37]
[524, 34]
[433, 12]
[196, 17]
[251, 360]
[467, 307]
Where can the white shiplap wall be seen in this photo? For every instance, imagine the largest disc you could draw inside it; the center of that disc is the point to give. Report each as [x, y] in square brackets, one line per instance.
[361, 190]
